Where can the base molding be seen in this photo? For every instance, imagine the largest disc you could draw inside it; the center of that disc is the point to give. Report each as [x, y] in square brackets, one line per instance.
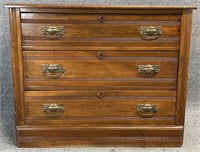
[41, 136]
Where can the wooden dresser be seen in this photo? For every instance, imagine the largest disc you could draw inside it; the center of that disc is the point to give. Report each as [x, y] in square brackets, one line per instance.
[100, 75]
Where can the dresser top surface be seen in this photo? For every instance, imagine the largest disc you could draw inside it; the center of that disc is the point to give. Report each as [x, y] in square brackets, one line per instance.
[62, 6]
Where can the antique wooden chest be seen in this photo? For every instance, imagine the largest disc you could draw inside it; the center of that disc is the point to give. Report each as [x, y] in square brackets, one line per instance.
[99, 75]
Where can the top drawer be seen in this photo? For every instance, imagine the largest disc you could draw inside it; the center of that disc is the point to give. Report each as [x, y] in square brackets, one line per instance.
[107, 31]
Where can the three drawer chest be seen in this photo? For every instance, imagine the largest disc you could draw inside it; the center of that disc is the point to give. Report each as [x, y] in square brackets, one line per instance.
[99, 75]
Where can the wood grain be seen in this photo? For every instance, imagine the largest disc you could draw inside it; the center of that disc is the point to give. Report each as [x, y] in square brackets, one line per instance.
[106, 107]
[162, 84]
[103, 11]
[17, 68]
[138, 46]
[113, 67]
[99, 121]
[118, 136]
[89, 93]
[88, 120]
[109, 45]
[93, 18]
[81, 107]
[112, 54]
[183, 66]
[131, 7]
[148, 131]
[104, 73]
[99, 30]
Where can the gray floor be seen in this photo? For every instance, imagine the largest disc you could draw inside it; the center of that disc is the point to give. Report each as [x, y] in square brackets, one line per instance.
[192, 125]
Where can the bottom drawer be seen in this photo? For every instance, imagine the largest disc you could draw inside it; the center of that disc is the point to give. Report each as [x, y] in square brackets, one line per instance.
[100, 107]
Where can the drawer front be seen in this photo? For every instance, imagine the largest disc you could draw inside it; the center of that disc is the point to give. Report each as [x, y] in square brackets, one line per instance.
[110, 69]
[72, 31]
[93, 18]
[95, 30]
[99, 69]
[115, 106]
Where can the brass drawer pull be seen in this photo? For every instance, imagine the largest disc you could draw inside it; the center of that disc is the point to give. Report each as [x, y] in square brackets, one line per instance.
[100, 55]
[100, 94]
[52, 70]
[146, 110]
[53, 109]
[53, 32]
[101, 19]
[150, 32]
[148, 70]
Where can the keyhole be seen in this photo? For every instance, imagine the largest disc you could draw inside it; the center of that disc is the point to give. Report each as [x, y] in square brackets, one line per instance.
[101, 19]
[100, 94]
[100, 55]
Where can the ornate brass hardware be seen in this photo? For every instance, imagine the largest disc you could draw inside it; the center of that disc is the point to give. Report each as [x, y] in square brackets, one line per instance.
[53, 109]
[100, 55]
[52, 70]
[148, 70]
[150, 32]
[146, 110]
[100, 94]
[53, 32]
[101, 19]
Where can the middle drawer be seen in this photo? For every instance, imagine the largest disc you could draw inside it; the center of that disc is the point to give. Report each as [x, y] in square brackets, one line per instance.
[99, 69]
